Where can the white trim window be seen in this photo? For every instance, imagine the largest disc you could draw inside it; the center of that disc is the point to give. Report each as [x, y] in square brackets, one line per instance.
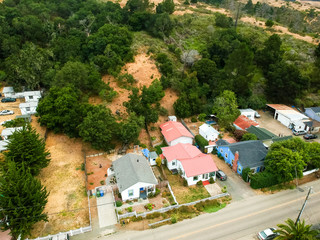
[130, 192]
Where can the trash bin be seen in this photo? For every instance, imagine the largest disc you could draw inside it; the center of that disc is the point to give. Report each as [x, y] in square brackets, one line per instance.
[101, 193]
[98, 193]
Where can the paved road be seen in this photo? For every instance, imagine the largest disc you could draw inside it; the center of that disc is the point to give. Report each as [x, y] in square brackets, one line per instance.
[239, 220]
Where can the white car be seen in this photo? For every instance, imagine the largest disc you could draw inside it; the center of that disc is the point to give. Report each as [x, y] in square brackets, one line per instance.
[6, 112]
[267, 234]
[256, 114]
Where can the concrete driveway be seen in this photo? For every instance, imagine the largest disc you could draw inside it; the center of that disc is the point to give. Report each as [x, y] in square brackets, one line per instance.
[106, 211]
[235, 185]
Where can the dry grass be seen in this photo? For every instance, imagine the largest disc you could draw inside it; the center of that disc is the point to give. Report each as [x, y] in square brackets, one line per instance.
[185, 194]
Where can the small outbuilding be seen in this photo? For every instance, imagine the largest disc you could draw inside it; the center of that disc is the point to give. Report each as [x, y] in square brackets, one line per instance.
[208, 132]
[7, 132]
[28, 108]
[248, 112]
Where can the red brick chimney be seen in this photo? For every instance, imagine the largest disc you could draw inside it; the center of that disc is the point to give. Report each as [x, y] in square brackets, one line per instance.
[235, 161]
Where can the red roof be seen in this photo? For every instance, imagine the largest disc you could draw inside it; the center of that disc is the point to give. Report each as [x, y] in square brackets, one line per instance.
[243, 122]
[173, 130]
[194, 162]
[199, 165]
[180, 151]
[280, 107]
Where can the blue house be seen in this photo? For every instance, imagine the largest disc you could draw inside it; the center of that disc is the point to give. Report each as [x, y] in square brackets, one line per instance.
[241, 155]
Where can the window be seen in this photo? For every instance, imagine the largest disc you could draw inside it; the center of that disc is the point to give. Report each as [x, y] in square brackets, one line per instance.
[28, 109]
[173, 163]
[221, 150]
[130, 193]
[205, 176]
[195, 178]
[226, 155]
[30, 97]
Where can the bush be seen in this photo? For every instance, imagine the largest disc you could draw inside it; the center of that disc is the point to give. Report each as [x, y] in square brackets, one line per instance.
[263, 179]
[211, 180]
[185, 209]
[224, 189]
[202, 117]
[201, 142]
[163, 111]
[136, 219]
[129, 209]
[173, 219]
[185, 182]
[238, 134]
[199, 183]
[194, 119]
[118, 203]
[269, 23]
[245, 173]
[249, 136]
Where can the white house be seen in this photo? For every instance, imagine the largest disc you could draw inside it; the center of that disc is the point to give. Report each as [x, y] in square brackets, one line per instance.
[190, 162]
[7, 132]
[28, 108]
[135, 178]
[8, 91]
[175, 132]
[208, 132]
[249, 113]
[32, 96]
[289, 117]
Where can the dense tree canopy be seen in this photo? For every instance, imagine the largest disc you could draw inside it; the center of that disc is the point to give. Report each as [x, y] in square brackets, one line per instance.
[22, 200]
[27, 148]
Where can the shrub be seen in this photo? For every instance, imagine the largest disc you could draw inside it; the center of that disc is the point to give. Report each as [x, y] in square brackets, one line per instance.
[211, 180]
[263, 179]
[199, 183]
[173, 219]
[136, 219]
[202, 117]
[194, 1]
[245, 173]
[153, 215]
[224, 189]
[185, 182]
[163, 111]
[269, 23]
[238, 134]
[82, 166]
[185, 209]
[194, 119]
[157, 192]
[149, 206]
[201, 142]
[153, 128]
[118, 203]
[129, 209]
[119, 212]
[249, 136]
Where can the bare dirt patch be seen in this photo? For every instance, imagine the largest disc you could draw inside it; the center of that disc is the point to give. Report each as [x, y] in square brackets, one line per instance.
[97, 170]
[143, 69]
[67, 202]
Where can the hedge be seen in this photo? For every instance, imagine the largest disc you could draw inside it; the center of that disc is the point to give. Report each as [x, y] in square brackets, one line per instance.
[245, 173]
[201, 141]
[263, 179]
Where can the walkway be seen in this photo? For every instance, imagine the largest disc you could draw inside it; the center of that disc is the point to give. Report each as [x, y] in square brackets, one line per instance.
[106, 211]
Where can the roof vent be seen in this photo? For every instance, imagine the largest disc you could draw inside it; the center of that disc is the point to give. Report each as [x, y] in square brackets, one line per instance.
[137, 160]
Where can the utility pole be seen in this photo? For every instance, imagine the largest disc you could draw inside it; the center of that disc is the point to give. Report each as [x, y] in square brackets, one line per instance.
[237, 17]
[303, 206]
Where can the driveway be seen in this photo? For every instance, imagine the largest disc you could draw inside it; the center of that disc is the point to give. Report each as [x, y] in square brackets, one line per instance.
[106, 211]
[235, 185]
[268, 122]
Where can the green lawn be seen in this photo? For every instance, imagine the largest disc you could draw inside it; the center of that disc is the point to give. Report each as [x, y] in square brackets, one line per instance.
[185, 194]
[212, 209]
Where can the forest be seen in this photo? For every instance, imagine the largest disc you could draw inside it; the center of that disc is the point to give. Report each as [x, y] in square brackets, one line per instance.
[65, 47]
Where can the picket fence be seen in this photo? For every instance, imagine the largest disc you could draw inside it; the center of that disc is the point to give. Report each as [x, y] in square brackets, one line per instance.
[166, 209]
[63, 235]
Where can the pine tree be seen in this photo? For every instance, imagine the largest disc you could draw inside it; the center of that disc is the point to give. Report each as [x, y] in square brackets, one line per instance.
[27, 147]
[22, 200]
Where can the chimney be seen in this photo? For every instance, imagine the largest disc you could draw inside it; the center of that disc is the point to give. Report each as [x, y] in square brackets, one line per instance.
[235, 161]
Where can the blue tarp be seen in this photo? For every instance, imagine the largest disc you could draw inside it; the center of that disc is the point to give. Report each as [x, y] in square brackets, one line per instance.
[145, 152]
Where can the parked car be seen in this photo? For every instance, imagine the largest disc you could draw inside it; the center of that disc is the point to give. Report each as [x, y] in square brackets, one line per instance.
[299, 132]
[257, 115]
[8, 99]
[221, 175]
[310, 136]
[6, 112]
[267, 234]
[4, 122]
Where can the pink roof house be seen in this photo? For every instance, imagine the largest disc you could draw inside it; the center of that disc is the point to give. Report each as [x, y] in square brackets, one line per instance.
[193, 164]
[175, 132]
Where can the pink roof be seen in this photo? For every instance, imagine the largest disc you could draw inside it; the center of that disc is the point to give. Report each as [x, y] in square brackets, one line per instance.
[201, 164]
[180, 151]
[243, 122]
[280, 107]
[173, 130]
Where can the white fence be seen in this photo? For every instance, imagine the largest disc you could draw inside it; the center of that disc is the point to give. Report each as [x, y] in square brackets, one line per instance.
[166, 209]
[63, 236]
[164, 220]
[174, 197]
[309, 172]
